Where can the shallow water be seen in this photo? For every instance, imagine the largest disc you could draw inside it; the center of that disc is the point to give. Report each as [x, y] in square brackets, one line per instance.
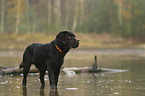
[128, 83]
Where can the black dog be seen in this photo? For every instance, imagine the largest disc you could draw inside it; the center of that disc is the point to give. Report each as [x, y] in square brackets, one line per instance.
[48, 57]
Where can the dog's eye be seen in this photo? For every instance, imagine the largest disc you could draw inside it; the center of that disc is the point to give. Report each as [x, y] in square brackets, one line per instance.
[69, 37]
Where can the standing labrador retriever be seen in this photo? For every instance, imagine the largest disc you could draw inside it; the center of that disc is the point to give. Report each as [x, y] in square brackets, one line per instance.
[48, 57]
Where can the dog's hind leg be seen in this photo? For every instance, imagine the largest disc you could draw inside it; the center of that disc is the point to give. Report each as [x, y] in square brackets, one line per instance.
[42, 74]
[27, 62]
[26, 68]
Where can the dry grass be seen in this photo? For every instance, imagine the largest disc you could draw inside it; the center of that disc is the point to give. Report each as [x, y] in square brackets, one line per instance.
[101, 41]
[19, 42]
[12, 41]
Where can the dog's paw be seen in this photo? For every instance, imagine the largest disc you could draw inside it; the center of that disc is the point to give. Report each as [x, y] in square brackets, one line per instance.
[43, 84]
[53, 87]
[24, 85]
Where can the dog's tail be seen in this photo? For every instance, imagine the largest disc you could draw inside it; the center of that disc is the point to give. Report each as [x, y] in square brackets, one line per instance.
[21, 65]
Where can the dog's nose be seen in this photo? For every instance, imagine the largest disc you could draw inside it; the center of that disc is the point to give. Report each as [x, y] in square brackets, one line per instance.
[77, 40]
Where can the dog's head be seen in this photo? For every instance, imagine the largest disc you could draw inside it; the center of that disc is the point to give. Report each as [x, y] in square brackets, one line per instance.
[67, 38]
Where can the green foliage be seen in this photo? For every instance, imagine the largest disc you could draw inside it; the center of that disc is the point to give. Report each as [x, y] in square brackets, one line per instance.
[118, 17]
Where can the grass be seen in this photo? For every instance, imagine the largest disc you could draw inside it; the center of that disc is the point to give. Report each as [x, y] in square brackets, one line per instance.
[19, 42]
[13, 41]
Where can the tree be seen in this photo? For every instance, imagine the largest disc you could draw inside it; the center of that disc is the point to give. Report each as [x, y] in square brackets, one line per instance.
[82, 11]
[119, 2]
[67, 8]
[28, 15]
[18, 17]
[2, 15]
[49, 12]
[75, 19]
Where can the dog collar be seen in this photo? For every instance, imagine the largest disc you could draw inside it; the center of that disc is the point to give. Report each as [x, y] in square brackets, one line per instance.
[58, 49]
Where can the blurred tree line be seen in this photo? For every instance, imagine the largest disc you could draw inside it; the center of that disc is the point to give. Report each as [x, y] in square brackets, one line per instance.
[118, 17]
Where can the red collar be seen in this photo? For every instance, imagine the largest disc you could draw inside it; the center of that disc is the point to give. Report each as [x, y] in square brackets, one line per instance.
[58, 49]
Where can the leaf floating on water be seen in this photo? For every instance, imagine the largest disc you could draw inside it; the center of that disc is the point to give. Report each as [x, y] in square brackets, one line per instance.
[17, 87]
[69, 73]
[1, 83]
[72, 88]
[116, 93]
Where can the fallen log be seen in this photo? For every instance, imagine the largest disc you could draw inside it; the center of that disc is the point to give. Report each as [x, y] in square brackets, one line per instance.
[76, 70]
[81, 69]
[16, 70]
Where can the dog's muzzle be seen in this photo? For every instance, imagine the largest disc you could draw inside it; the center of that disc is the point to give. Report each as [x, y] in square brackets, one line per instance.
[76, 44]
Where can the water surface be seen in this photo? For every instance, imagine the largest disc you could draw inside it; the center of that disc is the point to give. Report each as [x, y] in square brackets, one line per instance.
[130, 83]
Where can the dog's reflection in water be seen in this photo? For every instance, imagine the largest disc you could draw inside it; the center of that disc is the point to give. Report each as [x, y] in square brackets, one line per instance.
[24, 91]
[52, 92]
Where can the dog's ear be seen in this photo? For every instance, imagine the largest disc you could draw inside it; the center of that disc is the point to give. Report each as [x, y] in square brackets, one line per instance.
[62, 37]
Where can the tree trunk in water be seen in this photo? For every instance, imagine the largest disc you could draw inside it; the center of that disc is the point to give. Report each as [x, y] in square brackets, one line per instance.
[2, 15]
[18, 17]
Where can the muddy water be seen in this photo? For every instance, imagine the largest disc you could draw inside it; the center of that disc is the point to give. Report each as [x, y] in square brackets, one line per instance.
[130, 83]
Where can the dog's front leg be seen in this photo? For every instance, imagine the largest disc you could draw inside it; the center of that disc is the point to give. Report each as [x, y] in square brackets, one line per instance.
[51, 78]
[56, 76]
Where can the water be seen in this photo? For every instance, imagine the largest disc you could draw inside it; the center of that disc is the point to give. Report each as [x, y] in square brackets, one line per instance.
[130, 83]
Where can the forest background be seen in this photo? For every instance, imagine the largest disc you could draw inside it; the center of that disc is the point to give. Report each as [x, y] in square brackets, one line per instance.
[97, 23]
